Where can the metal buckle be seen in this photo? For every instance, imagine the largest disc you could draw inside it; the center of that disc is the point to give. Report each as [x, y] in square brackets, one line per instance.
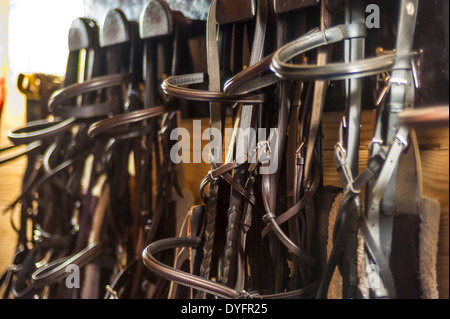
[341, 164]
[113, 293]
[402, 140]
[215, 179]
[300, 160]
[264, 152]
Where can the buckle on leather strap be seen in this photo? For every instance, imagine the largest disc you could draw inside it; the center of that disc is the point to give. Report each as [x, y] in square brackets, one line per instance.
[210, 174]
[341, 166]
[264, 151]
[112, 292]
[299, 159]
[402, 140]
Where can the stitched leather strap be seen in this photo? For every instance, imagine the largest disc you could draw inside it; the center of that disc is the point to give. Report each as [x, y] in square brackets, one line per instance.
[56, 270]
[424, 117]
[56, 103]
[173, 86]
[332, 71]
[354, 51]
[252, 78]
[40, 130]
[202, 284]
[215, 110]
[232, 249]
[179, 276]
[122, 278]
[111, 126]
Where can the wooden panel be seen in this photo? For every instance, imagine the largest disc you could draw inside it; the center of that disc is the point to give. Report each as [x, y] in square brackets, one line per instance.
[331, 176]
[433, 139]
[330, 127]
[429, 139]
[196, 172]
[10, 185]
[442, 276]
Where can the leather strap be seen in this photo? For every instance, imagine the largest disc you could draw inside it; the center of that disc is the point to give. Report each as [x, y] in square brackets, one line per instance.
[252, 78]
[424, 117]
[354, 51]
[20, 288]
[43, 241]
[173, 86]
[381, 207]
[110, 126]
[350, 205]
[40, 130]
[56, 103]
[122, 278]
[215, 110]
[56, 270]
[189, 280]
[32, 147]
[200, 283]
[332, 71]
[248, 81]
[234, 214]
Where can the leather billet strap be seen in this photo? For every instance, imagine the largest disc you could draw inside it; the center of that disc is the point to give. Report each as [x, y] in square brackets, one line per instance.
[232, 271]
[312, 139]
[270, 189]
[56, 103]
[332, 71]
[40, 130]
